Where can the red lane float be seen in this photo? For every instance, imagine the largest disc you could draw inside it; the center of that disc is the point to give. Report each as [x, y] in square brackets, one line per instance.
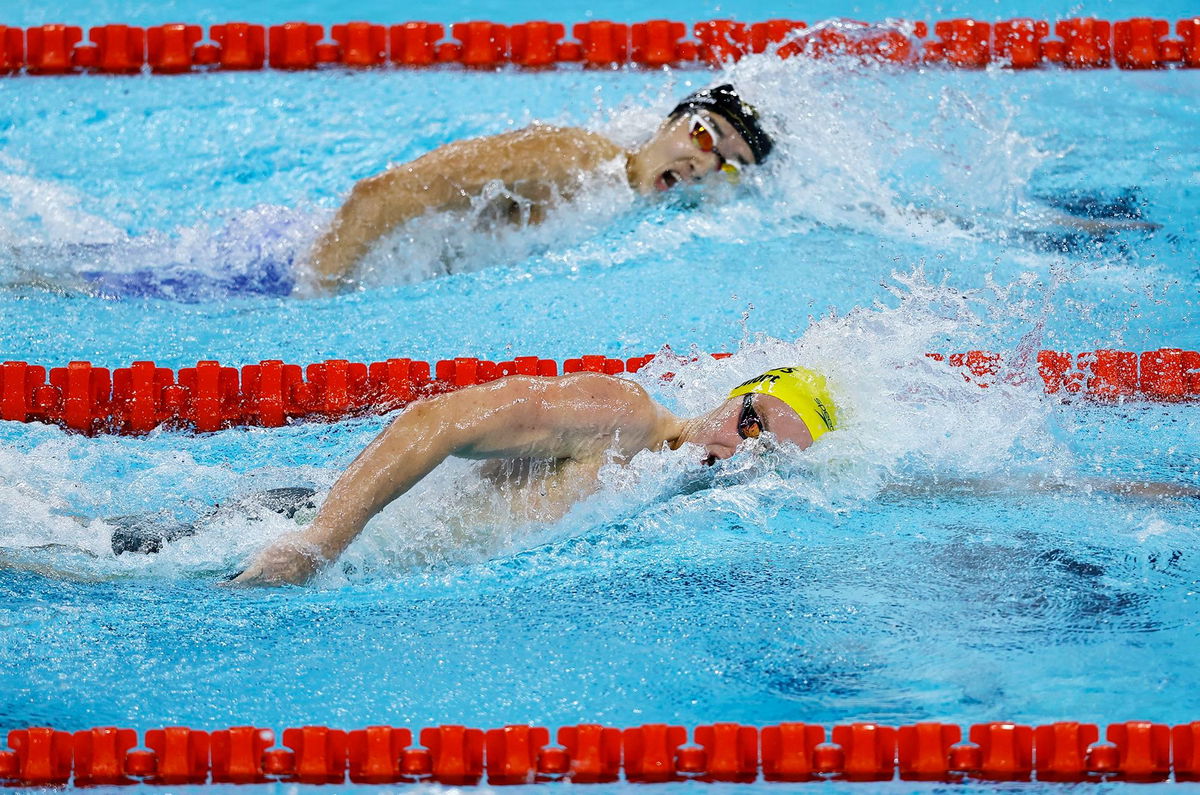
[171, 49]
[115, 49]
[12, 49]
[210, 397]
[479, 45]
[1021, 43]
[603, 44]
[293, 45]
[923, 751]
[1066, 751]
[177, 755]
[659, 43]
[513, 754]
[360, 44]
[1189, 34]
[455, 753]
[1139, 44]
[239, 46]
[237, 754]
[1018, 43]
[1062, 751]
[782, 36]
[722, 40]
[374, 754]
[651, 752]
[962, 42]
[1185, 751]
[540, 44]
[1086, 43]
[49, 49]
[414, 43]
[40, 756]
[594, 752]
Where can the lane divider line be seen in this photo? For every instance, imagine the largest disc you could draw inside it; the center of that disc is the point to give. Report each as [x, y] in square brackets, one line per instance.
[1021, 43]
[134, 400]
[1064, 751]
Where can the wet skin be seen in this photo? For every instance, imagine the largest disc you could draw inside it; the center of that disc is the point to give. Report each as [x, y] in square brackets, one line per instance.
[537, 166]
[573, 424]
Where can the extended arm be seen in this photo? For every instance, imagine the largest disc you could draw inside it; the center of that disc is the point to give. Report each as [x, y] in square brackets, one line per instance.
[548, 418]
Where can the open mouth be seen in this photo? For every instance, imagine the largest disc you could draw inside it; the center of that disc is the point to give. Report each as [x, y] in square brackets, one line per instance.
[668, 179]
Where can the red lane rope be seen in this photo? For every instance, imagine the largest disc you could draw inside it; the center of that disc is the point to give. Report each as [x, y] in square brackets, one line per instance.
[1083, 42]
[590, 753]
[208, 397]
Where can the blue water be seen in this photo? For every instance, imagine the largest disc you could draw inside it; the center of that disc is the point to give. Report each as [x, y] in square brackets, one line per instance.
[906, 212]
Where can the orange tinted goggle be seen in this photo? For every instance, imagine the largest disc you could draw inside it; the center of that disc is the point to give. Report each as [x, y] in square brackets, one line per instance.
[705, 136]
[750, 425]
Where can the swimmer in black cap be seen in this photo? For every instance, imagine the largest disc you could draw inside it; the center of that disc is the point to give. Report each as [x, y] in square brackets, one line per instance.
[725, 101]
[711, 132]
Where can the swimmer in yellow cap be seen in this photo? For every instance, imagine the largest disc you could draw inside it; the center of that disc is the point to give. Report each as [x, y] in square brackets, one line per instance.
[801, 389]
[546, 440]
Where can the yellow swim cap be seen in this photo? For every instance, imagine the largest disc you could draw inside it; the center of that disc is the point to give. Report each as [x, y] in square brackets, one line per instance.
[802, 389]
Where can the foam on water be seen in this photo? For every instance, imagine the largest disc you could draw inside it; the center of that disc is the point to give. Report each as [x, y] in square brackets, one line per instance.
[862, 148]
[44, 212]
[905, 422]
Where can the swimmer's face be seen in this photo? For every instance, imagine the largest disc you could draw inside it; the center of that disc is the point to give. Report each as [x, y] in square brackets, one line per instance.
[688, 149]
[777, 423]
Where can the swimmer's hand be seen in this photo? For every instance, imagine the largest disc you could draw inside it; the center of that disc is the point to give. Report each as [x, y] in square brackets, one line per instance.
[288, 560]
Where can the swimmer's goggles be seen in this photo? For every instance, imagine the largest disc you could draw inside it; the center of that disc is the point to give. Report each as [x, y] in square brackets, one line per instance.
[803, 390]
[705, 136]
[750, 425]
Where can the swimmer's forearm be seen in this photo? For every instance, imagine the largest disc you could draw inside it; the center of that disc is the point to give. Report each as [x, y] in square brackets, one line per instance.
[333, 257]
[358, 223]
[408, 450]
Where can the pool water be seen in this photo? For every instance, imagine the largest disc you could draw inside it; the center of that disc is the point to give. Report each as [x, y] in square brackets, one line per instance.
[951, 553]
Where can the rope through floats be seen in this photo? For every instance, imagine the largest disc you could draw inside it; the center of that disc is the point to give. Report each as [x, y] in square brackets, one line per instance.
[209, 397]
[457, 755]
[1082, 42]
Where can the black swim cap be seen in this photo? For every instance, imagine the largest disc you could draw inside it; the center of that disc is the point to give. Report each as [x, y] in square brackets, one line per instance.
[725, 101]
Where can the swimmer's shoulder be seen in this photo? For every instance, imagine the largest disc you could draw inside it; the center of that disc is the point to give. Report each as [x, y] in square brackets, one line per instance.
[566, 387]
[600, 385]
[576, 392]
[615, 409]
[573, 147]
[607, 402]
[537, 152]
